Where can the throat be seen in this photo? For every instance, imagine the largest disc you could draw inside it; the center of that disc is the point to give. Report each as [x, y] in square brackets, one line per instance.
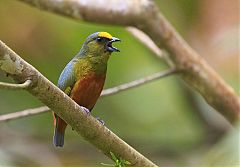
[91, 65]
[99, 68]
[98, 64]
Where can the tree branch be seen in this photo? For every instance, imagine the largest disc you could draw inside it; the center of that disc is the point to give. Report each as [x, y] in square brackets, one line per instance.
[11, 86]
[145, 15]
[106, 92]
[86, 125]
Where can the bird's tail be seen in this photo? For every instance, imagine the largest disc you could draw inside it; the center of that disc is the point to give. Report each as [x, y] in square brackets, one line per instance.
[60, 126]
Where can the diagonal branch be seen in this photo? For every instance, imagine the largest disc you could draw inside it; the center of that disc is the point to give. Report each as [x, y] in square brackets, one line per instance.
[86, 125]
[145, 15]
[11, 86]
[106, 92]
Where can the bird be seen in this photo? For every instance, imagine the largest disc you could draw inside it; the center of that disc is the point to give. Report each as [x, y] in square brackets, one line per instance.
[83, 77]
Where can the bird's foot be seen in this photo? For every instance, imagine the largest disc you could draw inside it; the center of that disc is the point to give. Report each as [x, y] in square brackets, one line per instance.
[101, 121]
[87, 111]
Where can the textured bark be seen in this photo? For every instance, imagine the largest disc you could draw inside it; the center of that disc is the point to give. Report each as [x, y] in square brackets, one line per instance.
[86, 125]
[145, 15]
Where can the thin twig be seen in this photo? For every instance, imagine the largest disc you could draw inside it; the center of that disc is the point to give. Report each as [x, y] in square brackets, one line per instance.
[24, 113]
[106, 92]
[11, 86]
[137, 82]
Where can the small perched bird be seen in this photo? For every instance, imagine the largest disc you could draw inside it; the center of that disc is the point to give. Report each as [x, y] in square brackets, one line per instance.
[83, 77]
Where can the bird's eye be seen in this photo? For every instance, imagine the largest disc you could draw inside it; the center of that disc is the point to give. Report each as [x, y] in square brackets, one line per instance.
[98, 39]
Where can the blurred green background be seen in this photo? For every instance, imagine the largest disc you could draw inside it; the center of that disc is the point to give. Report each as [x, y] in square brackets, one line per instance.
[164, 120]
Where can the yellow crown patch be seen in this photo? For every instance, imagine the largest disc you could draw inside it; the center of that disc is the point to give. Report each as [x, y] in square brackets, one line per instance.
[105, 35]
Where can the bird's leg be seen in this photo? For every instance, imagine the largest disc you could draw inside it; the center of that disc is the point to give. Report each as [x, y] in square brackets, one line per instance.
[101, 121]
[87, 111]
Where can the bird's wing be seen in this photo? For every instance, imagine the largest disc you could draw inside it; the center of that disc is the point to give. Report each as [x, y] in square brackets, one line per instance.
[67, 79]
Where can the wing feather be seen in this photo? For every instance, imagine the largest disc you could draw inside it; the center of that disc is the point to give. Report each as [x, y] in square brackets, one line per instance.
[67, 79]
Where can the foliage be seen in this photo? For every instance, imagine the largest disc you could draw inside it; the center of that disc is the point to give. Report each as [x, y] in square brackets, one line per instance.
[119, 162]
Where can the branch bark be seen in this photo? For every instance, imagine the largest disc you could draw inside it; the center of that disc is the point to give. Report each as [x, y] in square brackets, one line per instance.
[86, 125]
[145, 15]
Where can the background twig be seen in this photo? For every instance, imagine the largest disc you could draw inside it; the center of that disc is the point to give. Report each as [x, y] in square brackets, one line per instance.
[24, 113]
[138, 82]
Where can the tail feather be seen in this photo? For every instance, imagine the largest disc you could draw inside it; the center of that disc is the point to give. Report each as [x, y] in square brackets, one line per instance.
[58, 138]
[60, 126]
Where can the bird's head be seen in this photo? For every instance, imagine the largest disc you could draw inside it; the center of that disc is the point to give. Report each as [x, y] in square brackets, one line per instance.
[100, 43]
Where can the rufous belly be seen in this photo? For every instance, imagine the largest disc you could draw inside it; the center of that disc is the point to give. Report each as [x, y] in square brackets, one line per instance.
[87, 90]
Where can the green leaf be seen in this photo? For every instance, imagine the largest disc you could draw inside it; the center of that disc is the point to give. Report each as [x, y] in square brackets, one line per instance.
[119, 162]
[113, 156]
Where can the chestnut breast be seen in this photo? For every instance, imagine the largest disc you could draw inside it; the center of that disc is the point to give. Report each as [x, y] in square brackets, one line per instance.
[87, 90]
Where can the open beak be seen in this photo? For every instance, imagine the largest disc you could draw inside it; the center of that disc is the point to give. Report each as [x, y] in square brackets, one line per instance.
[111, 48]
